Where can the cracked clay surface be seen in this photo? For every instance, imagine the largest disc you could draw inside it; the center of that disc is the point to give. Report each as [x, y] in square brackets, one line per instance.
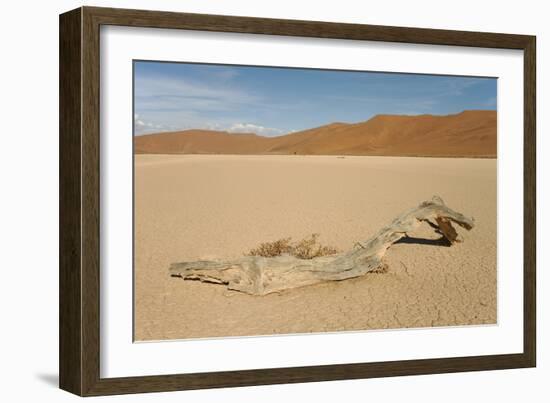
[191, 207]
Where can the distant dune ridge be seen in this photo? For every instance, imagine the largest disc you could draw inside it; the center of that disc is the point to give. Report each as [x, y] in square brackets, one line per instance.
[467, 134]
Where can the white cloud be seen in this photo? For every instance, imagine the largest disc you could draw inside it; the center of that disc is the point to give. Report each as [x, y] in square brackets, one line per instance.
[178, 94]
[143, 127]
[252, 128]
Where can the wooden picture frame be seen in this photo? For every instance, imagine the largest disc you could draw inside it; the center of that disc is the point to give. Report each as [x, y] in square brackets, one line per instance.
[79, 348]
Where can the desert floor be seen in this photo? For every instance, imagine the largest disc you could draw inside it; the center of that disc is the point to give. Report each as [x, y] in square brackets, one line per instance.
[212, 206]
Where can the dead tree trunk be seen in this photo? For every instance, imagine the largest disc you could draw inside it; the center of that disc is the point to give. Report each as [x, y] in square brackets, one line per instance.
[258, 275]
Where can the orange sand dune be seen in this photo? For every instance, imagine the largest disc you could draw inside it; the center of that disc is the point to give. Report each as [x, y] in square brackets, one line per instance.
[469, 133]
[199, 142]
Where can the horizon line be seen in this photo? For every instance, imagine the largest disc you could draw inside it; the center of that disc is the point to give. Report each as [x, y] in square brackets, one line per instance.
[311, 128]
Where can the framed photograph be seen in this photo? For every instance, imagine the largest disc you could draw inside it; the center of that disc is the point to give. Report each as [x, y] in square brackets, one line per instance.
[248, 201]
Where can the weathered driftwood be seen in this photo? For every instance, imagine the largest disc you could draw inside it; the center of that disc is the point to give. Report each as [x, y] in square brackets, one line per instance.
[258, 275]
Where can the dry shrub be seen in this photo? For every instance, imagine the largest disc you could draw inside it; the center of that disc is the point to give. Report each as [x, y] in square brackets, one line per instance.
[307, 248]
[271, 249]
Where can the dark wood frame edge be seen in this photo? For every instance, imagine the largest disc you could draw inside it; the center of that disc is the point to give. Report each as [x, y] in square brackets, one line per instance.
[79, 360]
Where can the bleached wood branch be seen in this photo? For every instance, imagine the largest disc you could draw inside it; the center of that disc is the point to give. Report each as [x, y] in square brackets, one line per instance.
[258, 275]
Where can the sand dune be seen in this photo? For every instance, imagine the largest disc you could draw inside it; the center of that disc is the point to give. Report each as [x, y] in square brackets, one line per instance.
[199, 142]
[467, 134]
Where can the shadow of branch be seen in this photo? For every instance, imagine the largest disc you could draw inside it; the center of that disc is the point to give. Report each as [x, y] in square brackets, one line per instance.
[423, 241]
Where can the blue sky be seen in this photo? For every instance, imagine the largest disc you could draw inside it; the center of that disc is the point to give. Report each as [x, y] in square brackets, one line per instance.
[271, 101]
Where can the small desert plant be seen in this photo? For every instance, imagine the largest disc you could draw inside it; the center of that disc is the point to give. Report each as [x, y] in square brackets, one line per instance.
[271, 249]
[307, 248]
